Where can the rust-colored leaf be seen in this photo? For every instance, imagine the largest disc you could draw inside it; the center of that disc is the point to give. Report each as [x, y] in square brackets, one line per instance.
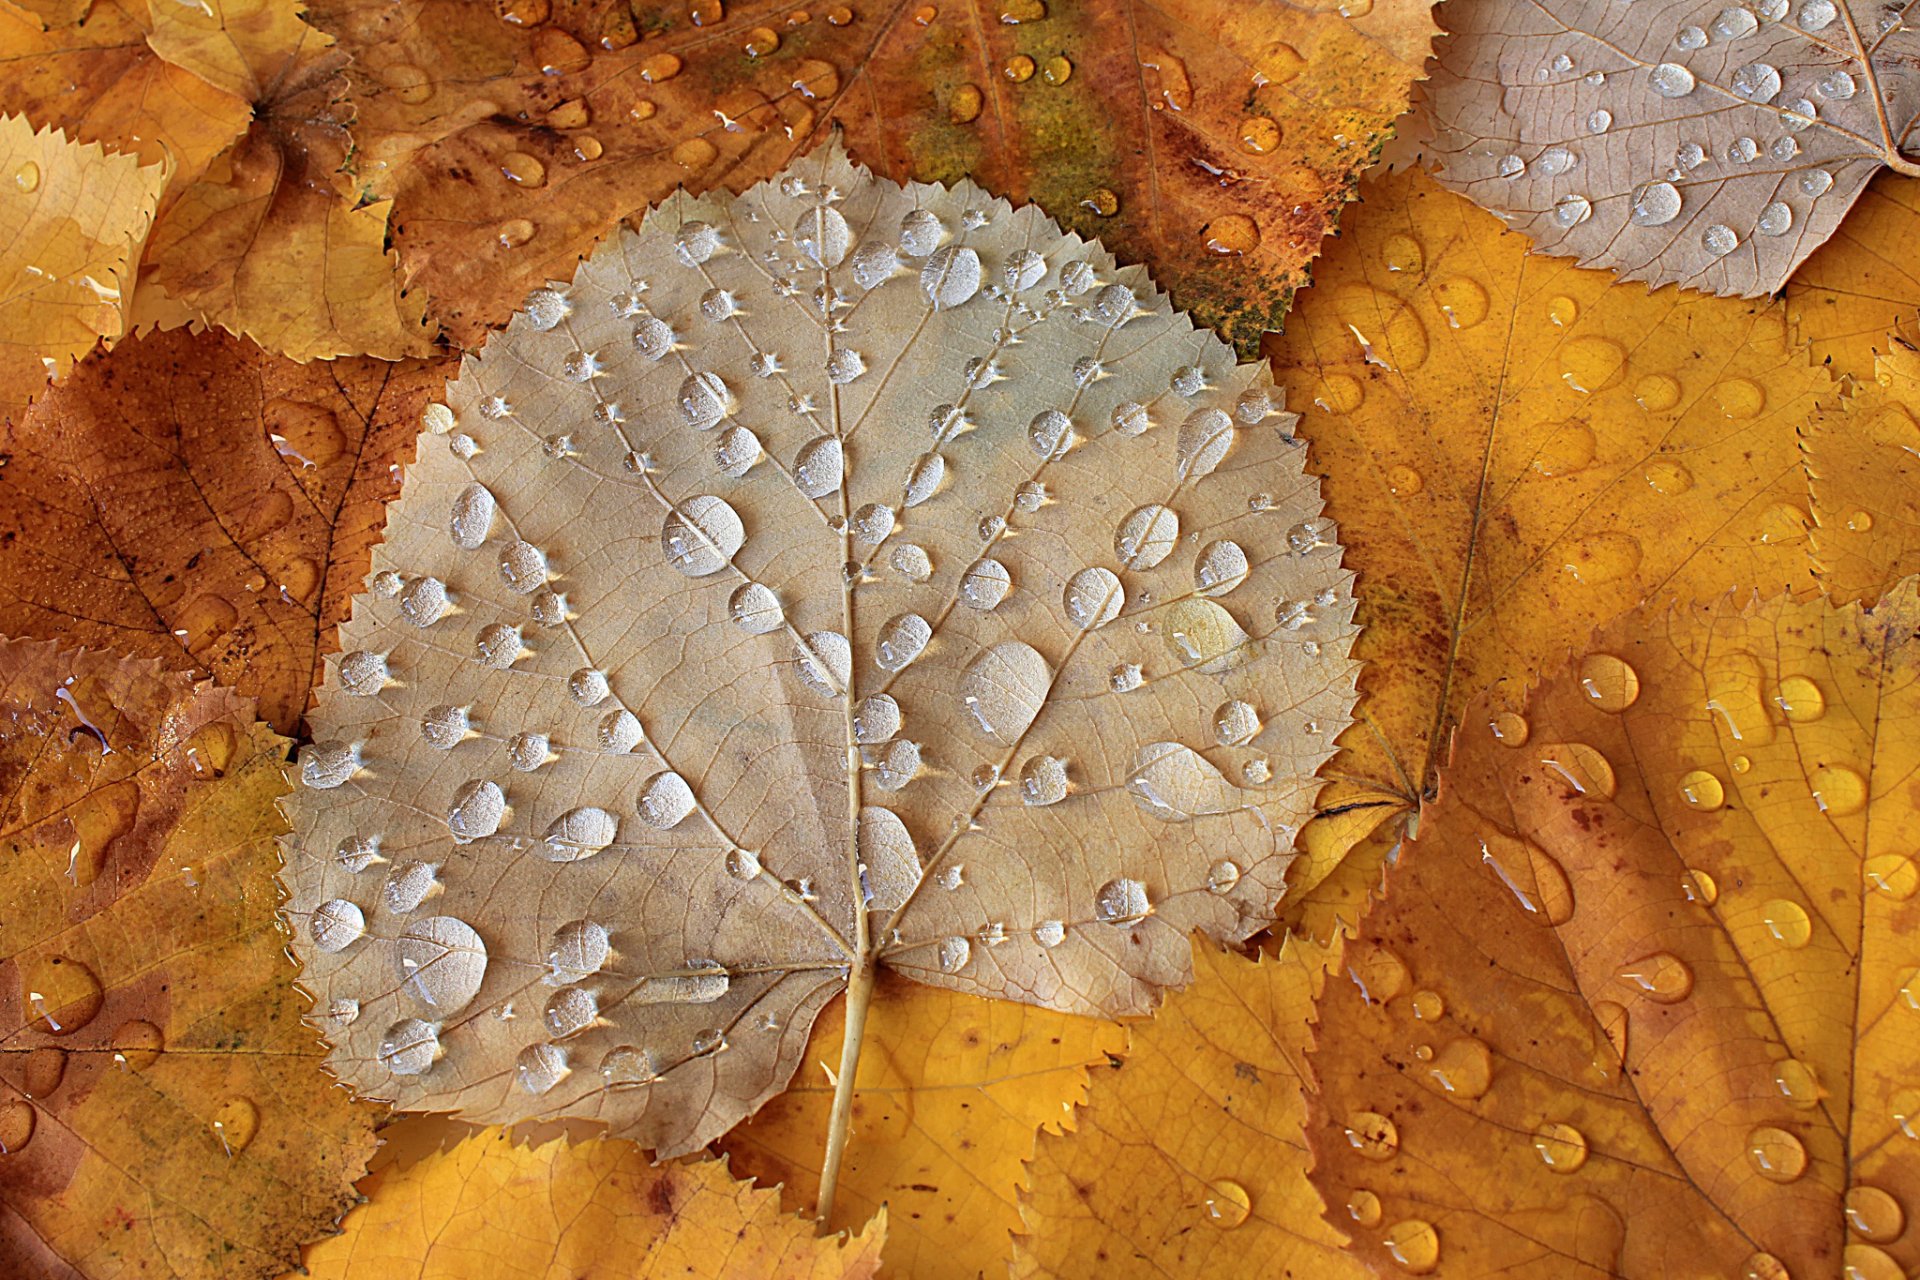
[1187, 132]
[592, 1210]
[196, 500]
[1517, 448]
[1640, 999]
[950, 1094]
[163, 1112]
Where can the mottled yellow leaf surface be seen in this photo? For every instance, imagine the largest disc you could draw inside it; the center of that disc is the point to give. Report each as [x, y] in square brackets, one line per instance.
[72, 220]
[1518, 448]
[1863, 464]
[1189, 1157]
[1641, 998]
[1343, 850]
[245, 47]
[194, 499]
[951, 1091]
[594, 1210]
[163, 1112]
[1864, 283]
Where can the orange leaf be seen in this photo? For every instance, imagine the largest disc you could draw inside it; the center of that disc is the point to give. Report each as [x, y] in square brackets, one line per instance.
[1863, 458]
[1515, 447]
[1189, 1159]
[72, 218]
[1864, 282]
[950, 1092]
[196, 500]
[587, 1211]
[1640, 998]
[162, 1110]
[1182, 132]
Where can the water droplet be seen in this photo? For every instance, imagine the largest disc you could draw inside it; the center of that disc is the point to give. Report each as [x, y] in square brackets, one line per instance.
[1702, 790]
[1775, 1154]
[1719, 239]
[1610, 683]
[951, 276]
[1464, 1068]
[1661, 977]
[1231, 235]
[335, 924]
[1669, 479]
[1057, 70]
[1873, 1214]
[1147, 536]
[1815, 182]
[1414, 1245]
[1004, 689]
[1756, 82]
[701, 535]
[825, 663]
[1363, 1207]
[1043, 780]
[1655, 204]
[1373, 1135]
[1764, 1266]
[234, 1124]
[1121, 901]
[1700, 887]
[1093, 597]
[1602, 558]
[441, 961]
[577, 951]
[410, 1046]
[1838, 790]
[1509, 728]
[665, 800]
[1589, 364]
[1222, 876]
[1259, 135]
[1671, 80]
[325, 765]
[1581, 767]
[954, 953]
[18, 1119]
[1562, 1147]
[1235, 724]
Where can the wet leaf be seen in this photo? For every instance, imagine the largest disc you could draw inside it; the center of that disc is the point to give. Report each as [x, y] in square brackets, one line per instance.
[72, 219]
[162, 1109]
[1189, 1158]
[1033, 595]
[592, 1211]
[1187, 134]
[1713, 149]
[1639, 990]
[1862, 285]
[951, 1092]
[1863, 460]
[1518, 448]
[196, 500]
[273, 243]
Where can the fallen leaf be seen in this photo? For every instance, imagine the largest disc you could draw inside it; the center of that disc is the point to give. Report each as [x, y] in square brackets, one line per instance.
[162, 1109]
[1639, 999]
[1181, 133]
[272, 242]
[1673, 147]
[52, 13]
[1189, 1158]
[1863, 464]
[100, 82]
[589, 1211]
[1344, 849]
[950, 1094]
[196, 500]
[1515, 448]
[831, 701]
[1862, 285]
[72, 219]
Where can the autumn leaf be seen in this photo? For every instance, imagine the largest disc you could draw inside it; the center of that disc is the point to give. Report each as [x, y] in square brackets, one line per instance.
[1516, 448]
[590, 1211]
[1863, 462]
[951, 1092]
[72, 219]
[830, 702]
[1861, 289]
[1189, 1159]
[1186, 133]
[272, 242]
[196, 500]
[1712, 152]
[162, 1109]
[1638, 999]
[53, 13]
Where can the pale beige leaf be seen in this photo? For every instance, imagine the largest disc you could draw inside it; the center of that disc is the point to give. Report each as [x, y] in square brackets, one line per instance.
[1062, 623]
[1712, 146]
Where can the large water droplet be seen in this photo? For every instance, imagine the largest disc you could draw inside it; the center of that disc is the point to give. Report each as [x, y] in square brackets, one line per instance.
[701, 535]
[1175, 783]
[441, 960]
[665, 800]
[1004, 689]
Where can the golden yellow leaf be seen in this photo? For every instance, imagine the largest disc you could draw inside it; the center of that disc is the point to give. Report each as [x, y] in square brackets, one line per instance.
[1641, 998]
[163, 1111]
[1863, 284]
[194, 499]
[72, 220]
[950, 1093]
[1187, 134]
[1863, 464]
[246, 47]
[1189, 1157]
[592, 1210]
[1515, 447]
[49, 13]
[1343, 850]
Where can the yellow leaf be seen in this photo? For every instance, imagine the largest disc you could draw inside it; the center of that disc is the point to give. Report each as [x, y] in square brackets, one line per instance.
[950, 1092]
[1189, 1158]
[1641, 998]
[1863, 462]
[1515, 447]
[1863, 284]
[593, 1210]
[1343, 850]
[163, 1110]
[72, 219]
[241, 46]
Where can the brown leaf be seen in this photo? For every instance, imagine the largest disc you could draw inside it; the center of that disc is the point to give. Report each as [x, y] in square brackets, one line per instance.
[1184, 133]
[1674, 145]
[1640, 999]
[72, 218]
[994, 599]
[162, 1109]
[193, 499]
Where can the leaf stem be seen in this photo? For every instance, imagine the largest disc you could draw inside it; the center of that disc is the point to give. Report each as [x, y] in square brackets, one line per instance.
[859, 999]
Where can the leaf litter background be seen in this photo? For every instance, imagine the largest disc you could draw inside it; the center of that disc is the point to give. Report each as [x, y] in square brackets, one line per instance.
[280, 140]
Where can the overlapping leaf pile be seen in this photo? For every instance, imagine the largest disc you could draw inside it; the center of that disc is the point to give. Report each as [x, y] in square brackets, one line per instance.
[797, 681]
